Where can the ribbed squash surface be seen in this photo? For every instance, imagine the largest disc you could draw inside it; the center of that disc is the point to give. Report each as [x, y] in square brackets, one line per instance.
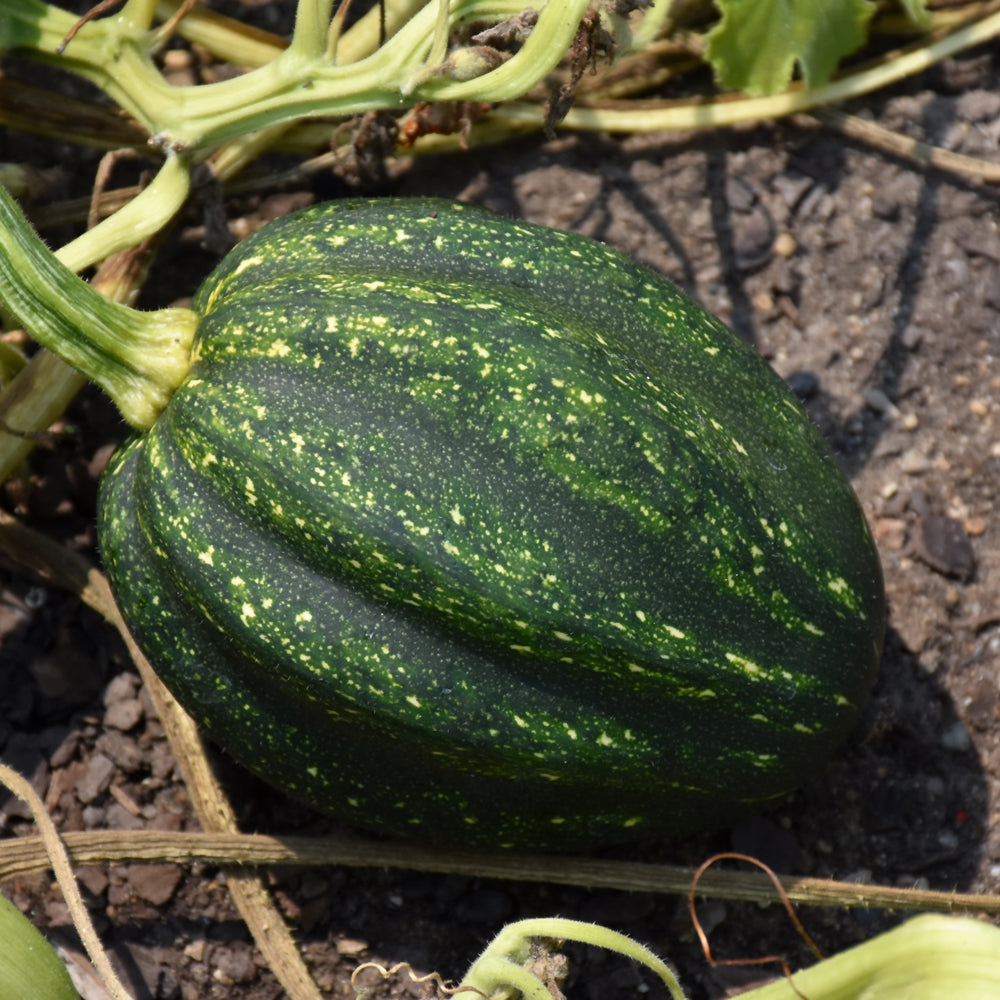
[483, 532]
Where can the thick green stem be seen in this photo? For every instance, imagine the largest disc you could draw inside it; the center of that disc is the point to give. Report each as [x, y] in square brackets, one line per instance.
[35, 400]
[312, 20]
[227, 39]
[137, 358]
[502, 965]
[144, 216]
[298, 83]
[139, 14]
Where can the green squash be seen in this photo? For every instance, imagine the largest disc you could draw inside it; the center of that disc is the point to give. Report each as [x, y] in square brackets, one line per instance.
[484, 533]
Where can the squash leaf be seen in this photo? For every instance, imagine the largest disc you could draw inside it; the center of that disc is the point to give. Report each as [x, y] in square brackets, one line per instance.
[757, 43]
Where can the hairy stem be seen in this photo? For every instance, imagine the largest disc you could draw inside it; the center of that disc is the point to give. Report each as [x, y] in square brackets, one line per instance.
[137, 358]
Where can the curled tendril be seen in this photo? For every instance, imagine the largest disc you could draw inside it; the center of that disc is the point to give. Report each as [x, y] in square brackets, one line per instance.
[431, 977]
[762, 960]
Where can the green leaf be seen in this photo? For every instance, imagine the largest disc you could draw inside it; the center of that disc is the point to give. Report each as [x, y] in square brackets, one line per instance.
[918, 13]
[757, 43]
[29, 966]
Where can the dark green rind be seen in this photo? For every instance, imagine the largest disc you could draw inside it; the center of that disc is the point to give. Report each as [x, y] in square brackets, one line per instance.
[482, 530]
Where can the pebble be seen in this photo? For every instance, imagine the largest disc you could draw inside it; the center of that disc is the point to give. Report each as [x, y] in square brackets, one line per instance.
[956, 737]
[740, 196]
[785, 245]
[943, 544]
[890, 532]
[753, 242]
[97, 776]
[94, 817]
[125, 752]
[978, 106]
[862, 876]
[118, 817]
[877, 400]
[804, 384]
[196, 950]
[94, 879]
[154, 883]
[124, 714]
[974, 526]
[792, 188]
[914, 462]
[66, 750]
[120, 687]
[350, 946]
[711, 913]
[948, 839]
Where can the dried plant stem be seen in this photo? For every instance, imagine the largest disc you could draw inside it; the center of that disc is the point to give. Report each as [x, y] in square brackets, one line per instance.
[56, 565]
[57, 859]
[26, 855]
[888, 141]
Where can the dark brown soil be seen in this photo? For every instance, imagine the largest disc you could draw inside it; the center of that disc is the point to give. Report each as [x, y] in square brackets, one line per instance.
[873, 286]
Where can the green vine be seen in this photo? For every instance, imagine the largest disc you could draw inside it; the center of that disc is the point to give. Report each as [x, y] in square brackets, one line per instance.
[138, 358]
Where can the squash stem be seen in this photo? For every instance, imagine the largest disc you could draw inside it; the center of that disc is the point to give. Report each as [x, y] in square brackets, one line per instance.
[137, 358]
[502, 965]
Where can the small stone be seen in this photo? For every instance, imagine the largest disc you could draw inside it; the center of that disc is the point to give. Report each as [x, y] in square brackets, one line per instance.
[155, 883]
[943, 544]
[121, 749]
[312, 884]
[66, 750]
[974, 526]
[122, 686]
[351, 946]
[118, 817]
[94, 817]
[885, 207]
[792, 189]
[914, 462]
[740, 196]
[124, 714]
[910, 422]
[96, 778]
[785, 245]
[804, 384]
[890, 533]
[979, 407]
[94, 880]
[877, 400]
[978, 106]
[195, 951]
[956, 737]
[862, 876]
[753, 242]
[948, 839]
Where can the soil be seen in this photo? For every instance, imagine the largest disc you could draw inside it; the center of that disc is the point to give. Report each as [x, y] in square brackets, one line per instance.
[873, 286]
